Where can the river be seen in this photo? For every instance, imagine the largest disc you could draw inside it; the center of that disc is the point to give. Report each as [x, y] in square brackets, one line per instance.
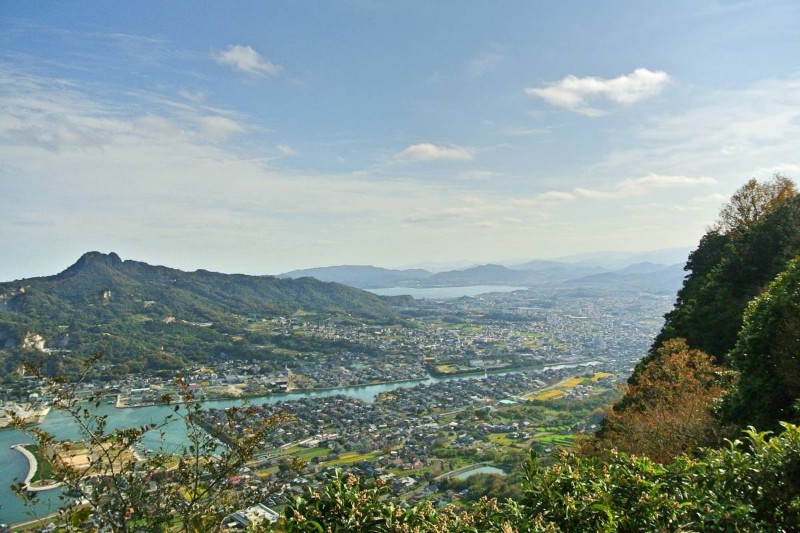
[14, 466]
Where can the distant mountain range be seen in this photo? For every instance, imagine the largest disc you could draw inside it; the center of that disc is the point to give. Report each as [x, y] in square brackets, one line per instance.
[600, 269]
[618, 260]
[361, 276]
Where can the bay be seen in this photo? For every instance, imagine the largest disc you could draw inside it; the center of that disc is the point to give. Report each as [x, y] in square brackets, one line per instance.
[445, 293]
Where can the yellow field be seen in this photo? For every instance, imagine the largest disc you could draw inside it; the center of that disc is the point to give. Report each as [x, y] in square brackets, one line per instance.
[571, 382]
[547, 395]
[350, 457]
[558, 390]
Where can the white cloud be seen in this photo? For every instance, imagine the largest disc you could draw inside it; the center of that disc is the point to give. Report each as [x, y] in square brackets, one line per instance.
[684, 208]
[245, 59]
[139, 178]
[478, 175]
[661, 181]
[522, 132]
[432, 152]
[484, 63]
[217, 127]
[544, 200]
[461, 214]
[644, 185]
[195, 97]
[575, 93]
[556, 196]
[285, 149]
[713, 197]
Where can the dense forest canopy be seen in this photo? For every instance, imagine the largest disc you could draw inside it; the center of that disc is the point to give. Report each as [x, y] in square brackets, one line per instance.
[738, 317]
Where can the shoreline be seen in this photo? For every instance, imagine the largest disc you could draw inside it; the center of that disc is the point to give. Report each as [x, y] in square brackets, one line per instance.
[122, 405]
[33, 465]
[29, 415]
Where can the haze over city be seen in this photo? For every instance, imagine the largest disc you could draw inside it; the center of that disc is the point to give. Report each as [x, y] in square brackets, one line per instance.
[263, 137]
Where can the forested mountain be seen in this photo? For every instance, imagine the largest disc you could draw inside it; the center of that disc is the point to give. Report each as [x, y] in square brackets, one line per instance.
[728, 355]
[158, 317]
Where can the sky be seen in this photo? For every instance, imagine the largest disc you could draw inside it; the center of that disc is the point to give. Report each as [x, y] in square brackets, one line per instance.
[261, 137]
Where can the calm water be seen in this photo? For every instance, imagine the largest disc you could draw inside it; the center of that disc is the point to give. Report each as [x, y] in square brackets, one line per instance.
[480, 470]
[13, 465]
[434, 293]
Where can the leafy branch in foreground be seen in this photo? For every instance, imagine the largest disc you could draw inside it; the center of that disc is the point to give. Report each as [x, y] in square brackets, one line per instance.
[116, 482]
[753, 484]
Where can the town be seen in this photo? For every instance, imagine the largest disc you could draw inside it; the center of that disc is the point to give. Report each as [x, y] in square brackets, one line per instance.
[456, 390]
[494, 332]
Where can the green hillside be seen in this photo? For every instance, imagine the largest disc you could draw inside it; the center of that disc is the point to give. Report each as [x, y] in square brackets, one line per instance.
[144, 316]
[728, 356]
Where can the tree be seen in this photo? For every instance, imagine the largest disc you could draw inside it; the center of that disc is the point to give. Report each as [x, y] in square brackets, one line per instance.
[124, 489]
[734, 262]
[767, 356]
[670, 409]
[752, 201]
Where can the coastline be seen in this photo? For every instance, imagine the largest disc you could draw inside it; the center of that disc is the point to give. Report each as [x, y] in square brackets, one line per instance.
[26, 412]
[33, 465]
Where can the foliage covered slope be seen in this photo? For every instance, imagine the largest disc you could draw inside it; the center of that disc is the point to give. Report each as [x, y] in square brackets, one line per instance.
[159, 317]
[735, 329]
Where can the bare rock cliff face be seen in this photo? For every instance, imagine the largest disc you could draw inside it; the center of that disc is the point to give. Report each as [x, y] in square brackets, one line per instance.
[33, 341]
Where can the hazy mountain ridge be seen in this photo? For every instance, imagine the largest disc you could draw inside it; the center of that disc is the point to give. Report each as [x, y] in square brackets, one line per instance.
[663, 276]
[361, 276]
[662, 279]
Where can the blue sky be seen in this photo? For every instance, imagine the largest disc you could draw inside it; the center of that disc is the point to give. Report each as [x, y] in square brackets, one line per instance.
[259, 137]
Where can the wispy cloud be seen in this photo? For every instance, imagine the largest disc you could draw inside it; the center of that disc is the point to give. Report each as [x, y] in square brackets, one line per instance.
[218, 127]
[158, 177]
[644, 185]
[285, 149]
[433, 152]
[713, 197]
[484, 62]
[194, 97]
[245, 59]
[734, 134]
[521, 131]
[556, 196]
[474, 214]
[576, 93]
